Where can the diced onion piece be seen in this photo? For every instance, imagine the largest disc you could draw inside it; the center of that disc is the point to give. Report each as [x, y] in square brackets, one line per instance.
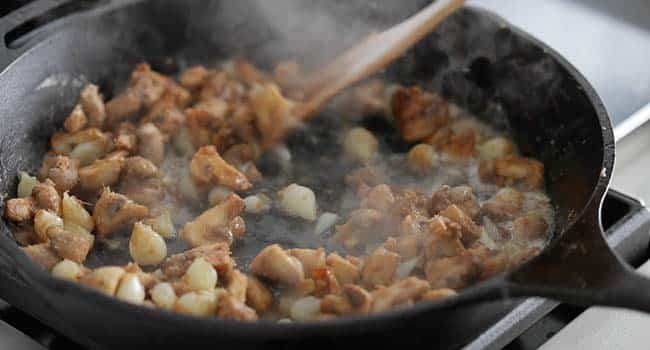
[200, 275]
[187, 187]
[88, 152]
[404, 269]
[26, 184]
[44, 221]
[201, 303]
[325, 222]
[162, 224]
[146, 246]
[305, 309]
[300, 201]
[67, 269]
[257, 204]
[130, 289]
[183, 142]
[497, 147]
[360, 144]
[163, 295]
[422, 157]
[73, 212]
[218, 194]
[284, 321]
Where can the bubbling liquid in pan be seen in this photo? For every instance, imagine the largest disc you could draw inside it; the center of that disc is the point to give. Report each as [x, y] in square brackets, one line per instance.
[162, 196]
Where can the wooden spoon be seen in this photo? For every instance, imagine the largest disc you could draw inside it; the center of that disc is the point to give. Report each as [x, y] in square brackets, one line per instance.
[370, 56]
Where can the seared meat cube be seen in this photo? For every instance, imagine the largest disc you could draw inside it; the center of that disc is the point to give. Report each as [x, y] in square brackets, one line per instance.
[101, 173]
[418, 114]
[42, 254]
[64, 144]
[471, 231]
[529, 227]
[362, 226]
[218, 224]
[166, 116]
[140, 168]
[207, 166]
[76, 121]
[92, 103]
[71, 246]
[504, 205]
[275, 264]
[462, 196]
[325, 282]
[380, 198]
[344, 270]
[232, 309]
[20, 209]
[513, 170]
[272, 113]
[114, 211]
[152, 143]
[358, 297]
[237, 285]
[105, 279]
[258, 296]
[46, 197]
[123, 106]
[194, 77]
[406, 290]
[335, 304]
[443, 239]
[380, 268]
[62, 171]
[406, 246]
[217, 254]
[422, 157]
[369, 175]
[311, 259]
[453, 272]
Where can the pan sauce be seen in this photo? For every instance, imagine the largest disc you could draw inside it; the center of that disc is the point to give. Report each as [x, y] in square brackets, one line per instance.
[413, 202]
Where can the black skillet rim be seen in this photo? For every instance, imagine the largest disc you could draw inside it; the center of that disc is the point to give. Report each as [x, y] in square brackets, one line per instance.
[490, 289]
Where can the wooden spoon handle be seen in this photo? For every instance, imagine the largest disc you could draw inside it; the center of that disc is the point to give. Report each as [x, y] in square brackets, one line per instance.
[372, 55]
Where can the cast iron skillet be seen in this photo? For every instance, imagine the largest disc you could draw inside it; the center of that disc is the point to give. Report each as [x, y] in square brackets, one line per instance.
[475, 59]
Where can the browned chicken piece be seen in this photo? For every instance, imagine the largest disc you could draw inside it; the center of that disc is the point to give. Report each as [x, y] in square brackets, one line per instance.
[529, 227]
[69, 245]
[92, 103]
[104, 279]
[368, 99]
[258, 296]
[242, 153]
[363, 225]
[247, 72]
[237, 285]
[344, 270]
[194, 77]
[462, 196]
[25, 236]
[489, 262]
[76, 121]
[217, 254]
[243, 123]
[335, 304]
[210, 113]
[471, 231]
[453, 272]
[20, 209]
[406, 246]
[114, 211]
[418, 114]
[219, 85]
[311, 259]
[42, 254]
[140, 168]
[123, 106]
[513, 170]
[325, 282]
[358, 297]
[207, 166]
[409, 202]
[406, 290]
[459, 144]
[380, 198]
[275, 264]
[232, 309]
[99, 174]
[166, 116]
[380, 267]
[125, 138]
[151, 143]
[46, 197]
[369, 175]
[63, 143]
[272, 113]
[443, 239]
[61, 170]
[120, 154]
[437, 294]
[413, 225]
[504, 205]
[218, 224]
[149, 85]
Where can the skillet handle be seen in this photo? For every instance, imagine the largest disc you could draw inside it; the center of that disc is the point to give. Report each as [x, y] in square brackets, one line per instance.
[582, 269]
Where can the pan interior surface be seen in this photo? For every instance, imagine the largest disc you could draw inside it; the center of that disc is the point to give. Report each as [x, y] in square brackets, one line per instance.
[472, 59]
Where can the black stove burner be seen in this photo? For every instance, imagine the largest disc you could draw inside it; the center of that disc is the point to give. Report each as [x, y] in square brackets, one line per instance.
[527, 324]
